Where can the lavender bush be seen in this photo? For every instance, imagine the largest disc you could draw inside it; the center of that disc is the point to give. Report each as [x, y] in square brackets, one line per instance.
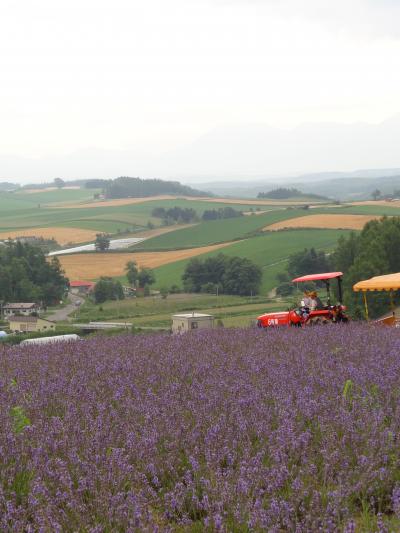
[229, 430]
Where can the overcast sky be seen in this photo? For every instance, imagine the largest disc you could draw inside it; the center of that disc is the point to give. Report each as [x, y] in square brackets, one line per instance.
[153, 75]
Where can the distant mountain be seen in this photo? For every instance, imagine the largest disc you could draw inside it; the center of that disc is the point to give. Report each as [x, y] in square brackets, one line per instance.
[244, 152]
[346, 187]
[239, 152]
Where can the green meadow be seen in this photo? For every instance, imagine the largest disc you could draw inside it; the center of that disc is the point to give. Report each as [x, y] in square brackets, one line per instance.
[217, 231]
[270, 251]
[27, 210]
[155, 312]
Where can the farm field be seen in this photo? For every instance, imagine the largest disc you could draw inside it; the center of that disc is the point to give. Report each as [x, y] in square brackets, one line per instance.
[379, 210]
[225, 201]
[55, 196]
[20, 211]
[395, 203]
[89, 266]
[229, 430]
[156, 312]
[328, 221]
[61, 235]
[270, 251]
[17, 211]
[215, 231]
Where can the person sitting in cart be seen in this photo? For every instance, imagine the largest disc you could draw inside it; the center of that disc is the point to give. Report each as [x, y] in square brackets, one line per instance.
[305, 304]
[316, 303]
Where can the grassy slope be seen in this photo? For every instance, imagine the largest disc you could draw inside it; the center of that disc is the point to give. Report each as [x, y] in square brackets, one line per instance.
[269, 251]
[361, 210]
[22, 211]
[58, 196]
[217, 231]
[156, 312]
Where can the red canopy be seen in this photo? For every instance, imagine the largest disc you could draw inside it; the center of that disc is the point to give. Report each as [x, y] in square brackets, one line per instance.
[315, 277]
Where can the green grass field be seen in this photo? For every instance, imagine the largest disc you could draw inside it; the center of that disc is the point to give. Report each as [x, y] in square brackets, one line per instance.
[155, 312]
[217, 231]
[361, 210]
[57, 196]
[24, 210]
[270, 251]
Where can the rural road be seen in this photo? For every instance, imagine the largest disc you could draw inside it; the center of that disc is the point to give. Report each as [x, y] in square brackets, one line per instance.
[63, 314]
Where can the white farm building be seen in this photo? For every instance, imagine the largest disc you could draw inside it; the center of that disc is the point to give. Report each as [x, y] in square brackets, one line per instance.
[189, 321]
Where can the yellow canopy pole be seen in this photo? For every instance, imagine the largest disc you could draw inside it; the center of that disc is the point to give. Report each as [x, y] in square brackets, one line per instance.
[392, 302]
[366, 305]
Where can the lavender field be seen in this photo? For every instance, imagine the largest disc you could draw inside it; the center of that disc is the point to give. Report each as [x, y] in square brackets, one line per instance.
[229, 430]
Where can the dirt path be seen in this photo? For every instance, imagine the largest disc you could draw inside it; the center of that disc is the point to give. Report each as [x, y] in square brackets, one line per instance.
[63, 314]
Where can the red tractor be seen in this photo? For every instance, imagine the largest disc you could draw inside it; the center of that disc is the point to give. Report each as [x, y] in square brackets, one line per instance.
[304, 316]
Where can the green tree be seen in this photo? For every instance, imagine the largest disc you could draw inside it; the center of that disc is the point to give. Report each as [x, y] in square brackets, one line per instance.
[132, 273]
[232, 275]
[102, 242]
[146, 277]
[376, 194]
[309, 261]
[164, 292]
[285, 289]
[242, 277]
[59, 183]
[26, 275]
[108, 289]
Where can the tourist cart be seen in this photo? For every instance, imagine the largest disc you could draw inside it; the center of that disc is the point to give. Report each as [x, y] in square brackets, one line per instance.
[302, 316]
[389, 283]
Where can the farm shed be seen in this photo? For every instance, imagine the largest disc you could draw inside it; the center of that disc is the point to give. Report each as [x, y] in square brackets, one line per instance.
[188, 321]
[30, 323]
[81, 287]
[21, 308]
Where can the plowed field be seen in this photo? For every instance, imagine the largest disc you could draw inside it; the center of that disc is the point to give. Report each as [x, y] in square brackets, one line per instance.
[94, 265]
[61, 235]
[356, 222]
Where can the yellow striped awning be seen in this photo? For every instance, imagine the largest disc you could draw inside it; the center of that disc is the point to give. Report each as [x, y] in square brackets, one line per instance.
[389, 282]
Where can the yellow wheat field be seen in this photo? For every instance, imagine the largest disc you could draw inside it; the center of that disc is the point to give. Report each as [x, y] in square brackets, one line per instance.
[355, 222]
[94, 265]
[386, 203]
[61, 235]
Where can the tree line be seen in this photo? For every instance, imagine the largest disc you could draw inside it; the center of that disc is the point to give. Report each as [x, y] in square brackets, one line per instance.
[228, 275]
[175, 215]
[221, 213]
[126, 187]
[283, 193]
[26, 275]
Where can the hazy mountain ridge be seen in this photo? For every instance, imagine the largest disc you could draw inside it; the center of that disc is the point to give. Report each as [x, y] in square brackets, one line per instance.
[344, 187]
[235, 152]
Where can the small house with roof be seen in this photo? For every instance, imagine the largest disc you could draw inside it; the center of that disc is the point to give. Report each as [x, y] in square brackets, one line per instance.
[21, 308]
[30, 323]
